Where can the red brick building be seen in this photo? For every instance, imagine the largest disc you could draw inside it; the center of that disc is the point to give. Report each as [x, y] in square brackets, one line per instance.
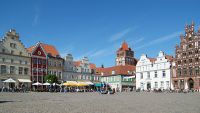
[187, 60]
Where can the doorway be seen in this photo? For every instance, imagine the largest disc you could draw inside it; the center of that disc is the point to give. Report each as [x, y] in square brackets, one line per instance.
[148, 86]
[191, 83]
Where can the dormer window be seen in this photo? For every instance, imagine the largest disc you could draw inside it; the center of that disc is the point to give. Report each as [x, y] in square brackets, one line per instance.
[3, 50]
[113, 72]
[13, 45]
[12, 52]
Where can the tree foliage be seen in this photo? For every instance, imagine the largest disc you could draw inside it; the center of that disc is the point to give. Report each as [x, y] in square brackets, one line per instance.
[51, 79]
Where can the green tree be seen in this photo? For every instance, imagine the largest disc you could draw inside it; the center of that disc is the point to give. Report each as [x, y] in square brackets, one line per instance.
[51, 79]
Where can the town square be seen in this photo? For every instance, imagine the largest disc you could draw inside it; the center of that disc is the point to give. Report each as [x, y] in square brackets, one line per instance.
[90, 56]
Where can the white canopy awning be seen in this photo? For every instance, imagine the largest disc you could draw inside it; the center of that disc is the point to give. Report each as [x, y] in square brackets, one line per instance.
[10, 80]
[24, 80]
[130, 77]
[46, 84]
[37, 84]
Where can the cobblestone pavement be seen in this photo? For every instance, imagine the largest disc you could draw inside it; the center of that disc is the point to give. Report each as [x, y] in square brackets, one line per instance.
[127, 102]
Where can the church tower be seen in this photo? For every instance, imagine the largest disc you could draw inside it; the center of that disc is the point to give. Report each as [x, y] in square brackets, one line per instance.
[125, 56]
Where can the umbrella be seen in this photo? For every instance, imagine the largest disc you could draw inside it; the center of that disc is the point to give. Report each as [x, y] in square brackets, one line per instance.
[10, 80]
[37, 84]
[70, 83]
[90, 83]
[55, 84]
[82, 84]
[46, 84]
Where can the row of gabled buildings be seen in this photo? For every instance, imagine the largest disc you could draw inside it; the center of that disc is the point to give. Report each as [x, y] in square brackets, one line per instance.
[163, 72]
[31, 65]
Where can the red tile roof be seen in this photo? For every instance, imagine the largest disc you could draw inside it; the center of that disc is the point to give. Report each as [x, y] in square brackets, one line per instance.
[47, 48]
[152, 59]
[124, 47]
[169, 57]
[92, 66]
[77, 63]
[118, 70]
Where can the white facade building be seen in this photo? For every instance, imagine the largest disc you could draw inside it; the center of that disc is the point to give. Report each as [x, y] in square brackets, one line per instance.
[154, 73]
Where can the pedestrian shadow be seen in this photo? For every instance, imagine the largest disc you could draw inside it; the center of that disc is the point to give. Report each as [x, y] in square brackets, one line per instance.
[7, 101]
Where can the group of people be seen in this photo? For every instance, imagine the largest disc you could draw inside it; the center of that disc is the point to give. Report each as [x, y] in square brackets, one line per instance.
[20, 88]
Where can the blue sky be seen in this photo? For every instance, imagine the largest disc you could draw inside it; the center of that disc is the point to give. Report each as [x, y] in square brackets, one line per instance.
[96, 28]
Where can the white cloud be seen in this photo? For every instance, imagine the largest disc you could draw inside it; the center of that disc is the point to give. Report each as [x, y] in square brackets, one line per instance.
[159, 40]
[119, 35]
[98, 53]
[87, 54]
[36, 16]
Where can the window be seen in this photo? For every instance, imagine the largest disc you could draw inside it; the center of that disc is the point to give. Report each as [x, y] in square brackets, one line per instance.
[20, 62]
[190, 53]
[196, 59]
[142, 85]
[179, 62]
[156, 84]
[40, 70]
[44, 70]
[12, 52]
[167, 84]
[13, 45]
[197, 70]
[184, 54]
[26, 62]
[190, 45]
[44, 62]
[184, 71]
[179, 72]
[148, 75]
[49, 63]
[11, 60]
[20, 53]
[162, 84]
[3, 59]
[190, 70]
[39, 61]
[55, 64]
[155, 74]
[190, 60]
[34, 61]
[113, 72]
[12, 69]
[164, 74]
[3, 50]
[185, 61]
[3, 69]
[196, 51]
[26, 71]
[20, 70]
[141, 75]
[34, 70]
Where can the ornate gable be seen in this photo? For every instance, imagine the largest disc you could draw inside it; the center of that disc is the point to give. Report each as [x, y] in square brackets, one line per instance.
[11, 44]
[38, 51]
